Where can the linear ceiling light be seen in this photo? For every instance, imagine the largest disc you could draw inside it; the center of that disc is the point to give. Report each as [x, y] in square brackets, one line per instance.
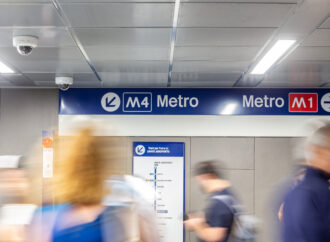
[175, 24]
[229, 109]
[275, 53]
[5, 69]
[173, 39]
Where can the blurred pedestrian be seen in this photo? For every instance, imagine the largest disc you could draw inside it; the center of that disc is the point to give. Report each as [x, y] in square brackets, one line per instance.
[306, 208]
[217, 222]
[15, 210]
[81, 168]
[297, 177]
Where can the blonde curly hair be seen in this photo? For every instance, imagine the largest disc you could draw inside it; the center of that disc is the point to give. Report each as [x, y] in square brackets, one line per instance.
[82, 163]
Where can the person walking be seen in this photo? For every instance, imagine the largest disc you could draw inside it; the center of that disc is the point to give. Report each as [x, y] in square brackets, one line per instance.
[306, 209]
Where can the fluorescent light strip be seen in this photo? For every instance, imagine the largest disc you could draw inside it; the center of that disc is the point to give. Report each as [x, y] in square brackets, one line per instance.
[5, 69]
[176, 13]
[229, 109]
[173, 38]
[273, 55]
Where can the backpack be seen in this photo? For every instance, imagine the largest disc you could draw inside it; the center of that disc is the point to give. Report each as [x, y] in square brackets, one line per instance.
[245, 226]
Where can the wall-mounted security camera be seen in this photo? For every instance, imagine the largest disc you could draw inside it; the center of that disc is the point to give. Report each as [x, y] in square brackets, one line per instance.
[64, 82]
[25, 44]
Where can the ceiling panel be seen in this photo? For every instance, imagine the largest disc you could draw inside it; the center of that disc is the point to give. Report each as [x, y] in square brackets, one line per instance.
[216, 78]
[29, 15]
[303, 66]
[111, 1]
[50, 77]
[326, 24]
[132, 66]
[286, 84]
[202, 84]
[239, 1]
[4, 83]
[223, 36]
[215, 53]
[110, 79]
[119, 14]
[108, 44]
[24, 1]
[314, 78]
[310, 54]
[18, 80]
[209, 67]
[326, 85]
[116, 53]
[124, 36]
[60, 60]
[46, 84]
[206, 1]
[48, 37]
[86, 84]
[79, 80]
[128, 42]
[232, 15]
[320, 37]
[299, 73]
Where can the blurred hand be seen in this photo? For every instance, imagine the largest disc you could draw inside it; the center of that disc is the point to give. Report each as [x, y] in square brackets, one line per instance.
[193, 221]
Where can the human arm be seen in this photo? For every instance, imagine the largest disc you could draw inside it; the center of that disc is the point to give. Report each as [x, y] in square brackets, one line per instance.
[204, 231]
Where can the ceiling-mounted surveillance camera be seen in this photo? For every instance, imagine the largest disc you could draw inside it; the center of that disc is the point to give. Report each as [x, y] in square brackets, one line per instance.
[64, 82]
[25, 44]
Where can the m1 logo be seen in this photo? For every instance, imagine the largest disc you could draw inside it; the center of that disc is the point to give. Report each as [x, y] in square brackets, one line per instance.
[303, 102]
[137, 102]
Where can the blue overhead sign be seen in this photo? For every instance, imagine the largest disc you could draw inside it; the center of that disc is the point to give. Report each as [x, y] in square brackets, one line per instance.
[215, 101]
[170, 149]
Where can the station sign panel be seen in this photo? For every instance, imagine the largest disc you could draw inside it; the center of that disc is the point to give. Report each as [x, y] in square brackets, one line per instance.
[193, 101]
[162, 166]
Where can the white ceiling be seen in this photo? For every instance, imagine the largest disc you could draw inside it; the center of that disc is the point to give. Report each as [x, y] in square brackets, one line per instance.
[127, 43]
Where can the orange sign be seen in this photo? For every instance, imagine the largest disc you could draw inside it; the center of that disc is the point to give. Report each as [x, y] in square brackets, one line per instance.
[47, 142]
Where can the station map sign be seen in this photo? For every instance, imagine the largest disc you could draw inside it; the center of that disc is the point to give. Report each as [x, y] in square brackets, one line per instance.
[161, 165]
[193, 101]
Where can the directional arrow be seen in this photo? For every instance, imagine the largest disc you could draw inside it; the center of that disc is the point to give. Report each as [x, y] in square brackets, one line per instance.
[109, 103]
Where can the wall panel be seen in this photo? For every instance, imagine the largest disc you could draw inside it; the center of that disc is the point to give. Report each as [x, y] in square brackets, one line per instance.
[24, 113]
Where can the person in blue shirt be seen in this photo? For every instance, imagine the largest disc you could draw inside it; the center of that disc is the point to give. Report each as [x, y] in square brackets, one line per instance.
[306, 209]
[218, 219]
[81, 167]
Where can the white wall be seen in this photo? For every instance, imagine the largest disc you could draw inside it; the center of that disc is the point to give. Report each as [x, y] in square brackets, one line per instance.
[240, 126]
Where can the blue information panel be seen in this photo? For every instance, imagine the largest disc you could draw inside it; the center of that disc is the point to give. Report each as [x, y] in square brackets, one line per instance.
[158, 149]
[154, 101]
[161, 165]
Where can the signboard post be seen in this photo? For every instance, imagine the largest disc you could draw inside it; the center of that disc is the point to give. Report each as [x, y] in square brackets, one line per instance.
[162, 166]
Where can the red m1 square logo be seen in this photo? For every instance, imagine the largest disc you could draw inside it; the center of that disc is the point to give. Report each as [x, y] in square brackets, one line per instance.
[303, 102]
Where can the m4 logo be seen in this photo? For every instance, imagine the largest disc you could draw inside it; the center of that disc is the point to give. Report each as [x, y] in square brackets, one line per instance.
[303, 102]
[137, 102]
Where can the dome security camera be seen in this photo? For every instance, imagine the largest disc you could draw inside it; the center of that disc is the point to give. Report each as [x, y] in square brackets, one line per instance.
[25, 44]
[64, 82]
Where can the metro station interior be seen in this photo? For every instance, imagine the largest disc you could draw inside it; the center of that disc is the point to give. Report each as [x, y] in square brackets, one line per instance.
[238, 82]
